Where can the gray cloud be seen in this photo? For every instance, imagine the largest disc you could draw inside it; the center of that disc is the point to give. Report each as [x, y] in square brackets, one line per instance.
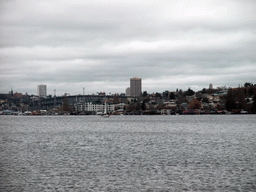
[100, 45]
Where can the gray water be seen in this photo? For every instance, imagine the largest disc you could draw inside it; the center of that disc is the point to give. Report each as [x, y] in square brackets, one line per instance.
[128, 153]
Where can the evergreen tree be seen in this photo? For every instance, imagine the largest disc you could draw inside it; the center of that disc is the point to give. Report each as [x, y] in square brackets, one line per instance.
[248, 84]
[253, 109]
[158, 95]
[143, 106]
[145, 94]
[172, 96]
[189, 92]
[66, 107]
[230, 102]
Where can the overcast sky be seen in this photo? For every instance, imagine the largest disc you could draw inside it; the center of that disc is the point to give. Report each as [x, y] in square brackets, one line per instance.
[101, 44]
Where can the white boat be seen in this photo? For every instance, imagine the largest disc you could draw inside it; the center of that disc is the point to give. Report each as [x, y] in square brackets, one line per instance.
[105, 114]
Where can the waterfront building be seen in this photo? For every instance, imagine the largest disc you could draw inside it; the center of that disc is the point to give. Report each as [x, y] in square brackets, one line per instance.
[93, 107]
[135, 86]
[41, 90]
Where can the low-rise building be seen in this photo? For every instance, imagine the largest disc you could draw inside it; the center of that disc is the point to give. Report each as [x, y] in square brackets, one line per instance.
[93, 107]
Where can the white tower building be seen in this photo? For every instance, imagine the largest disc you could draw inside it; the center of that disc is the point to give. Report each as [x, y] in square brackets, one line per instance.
[128, 91]
[41, 90]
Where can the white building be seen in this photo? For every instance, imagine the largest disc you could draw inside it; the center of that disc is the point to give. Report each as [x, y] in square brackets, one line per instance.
[41, 90]
[94, 107]
[128, 91]
[210, 86]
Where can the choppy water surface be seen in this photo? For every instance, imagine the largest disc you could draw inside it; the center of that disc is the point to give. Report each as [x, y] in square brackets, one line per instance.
[128, 153]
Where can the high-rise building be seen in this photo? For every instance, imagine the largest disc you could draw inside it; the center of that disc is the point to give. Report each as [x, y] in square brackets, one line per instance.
[135, 86]
[128, 91]
[210, 86]
[41, 90]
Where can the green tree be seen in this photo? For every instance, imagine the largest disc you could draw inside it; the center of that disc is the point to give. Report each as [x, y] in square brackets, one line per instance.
[172, 96]
[253, 109]
[144, 94]
[247, 84]
[189, 92]
[65, 106]
[158, 95]
[230, 100]
[143, 106]
[165, 94]
[205, 100]
[97, 101]
[241, 99]
[250, 92]
[138, 106]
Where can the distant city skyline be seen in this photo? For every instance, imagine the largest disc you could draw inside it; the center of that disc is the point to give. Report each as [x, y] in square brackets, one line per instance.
[42, 90]
[100, 45]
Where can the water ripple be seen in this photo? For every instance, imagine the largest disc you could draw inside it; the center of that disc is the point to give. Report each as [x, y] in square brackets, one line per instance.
[129, 153]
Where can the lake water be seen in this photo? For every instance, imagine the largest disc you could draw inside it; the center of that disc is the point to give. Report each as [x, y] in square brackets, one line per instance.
[128, 153]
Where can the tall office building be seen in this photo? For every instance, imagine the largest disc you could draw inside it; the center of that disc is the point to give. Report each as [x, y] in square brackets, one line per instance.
[135, 86]
[41, 90]
[128, 91]
[210, 86]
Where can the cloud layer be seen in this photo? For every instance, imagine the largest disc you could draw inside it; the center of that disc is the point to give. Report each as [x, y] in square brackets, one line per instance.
[100, 45]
